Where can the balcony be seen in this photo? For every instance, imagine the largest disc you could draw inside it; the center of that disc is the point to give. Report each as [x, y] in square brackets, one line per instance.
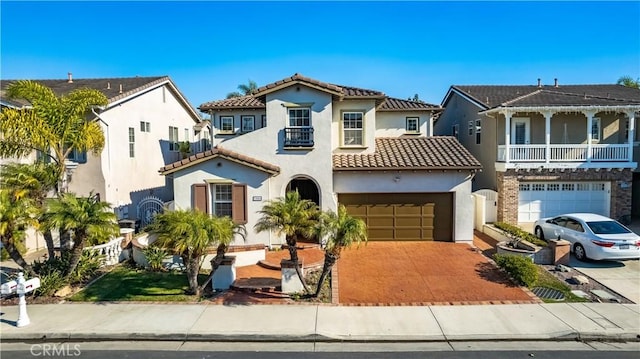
[298, 137]
[564, 155]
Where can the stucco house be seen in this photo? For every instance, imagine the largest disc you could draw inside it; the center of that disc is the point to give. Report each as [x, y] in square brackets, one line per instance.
[334, 144]
[550, 149]
[143, 123]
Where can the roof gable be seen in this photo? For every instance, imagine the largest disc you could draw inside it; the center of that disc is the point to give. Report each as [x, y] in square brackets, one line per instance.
[298, 79]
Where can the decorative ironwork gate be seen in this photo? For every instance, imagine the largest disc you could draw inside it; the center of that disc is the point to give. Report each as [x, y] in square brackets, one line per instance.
[148, 208]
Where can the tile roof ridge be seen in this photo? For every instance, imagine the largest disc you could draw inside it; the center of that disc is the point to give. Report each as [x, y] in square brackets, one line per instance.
[522, 96]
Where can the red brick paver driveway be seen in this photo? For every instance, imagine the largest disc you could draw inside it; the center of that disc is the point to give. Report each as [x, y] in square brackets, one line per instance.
[423, 273]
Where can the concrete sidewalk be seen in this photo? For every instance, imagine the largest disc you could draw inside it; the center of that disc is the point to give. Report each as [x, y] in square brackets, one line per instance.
[324, 323]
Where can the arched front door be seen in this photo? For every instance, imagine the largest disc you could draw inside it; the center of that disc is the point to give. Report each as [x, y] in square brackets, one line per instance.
[307, 189]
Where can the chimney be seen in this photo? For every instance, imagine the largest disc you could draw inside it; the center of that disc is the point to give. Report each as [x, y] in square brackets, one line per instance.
[70, 77]
[120, 88]
[539, 83]
[108, 85]
[555, 82]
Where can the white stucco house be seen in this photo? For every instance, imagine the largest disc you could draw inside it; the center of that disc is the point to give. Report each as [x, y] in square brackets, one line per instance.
[335, 145]
[143, 123]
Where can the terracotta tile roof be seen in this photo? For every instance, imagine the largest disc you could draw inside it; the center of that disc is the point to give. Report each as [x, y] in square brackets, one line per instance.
[563, 95]
[350, 91]
[223, 153]
[244, 102]
[396, 104]
[297, 78]
[410, 153]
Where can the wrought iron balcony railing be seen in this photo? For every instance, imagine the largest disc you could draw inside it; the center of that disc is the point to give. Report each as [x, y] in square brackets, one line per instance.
[298, 137]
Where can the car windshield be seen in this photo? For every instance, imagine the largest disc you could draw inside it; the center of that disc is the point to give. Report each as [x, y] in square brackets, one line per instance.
[607, 227]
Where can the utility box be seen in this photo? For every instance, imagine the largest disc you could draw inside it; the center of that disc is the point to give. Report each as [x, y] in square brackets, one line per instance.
[561, 251]
[290, 282]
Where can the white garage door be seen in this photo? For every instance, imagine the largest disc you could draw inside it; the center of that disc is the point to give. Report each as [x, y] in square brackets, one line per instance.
[547, 199]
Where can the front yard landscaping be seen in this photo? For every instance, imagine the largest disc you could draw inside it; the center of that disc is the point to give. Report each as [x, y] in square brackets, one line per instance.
[128, 284]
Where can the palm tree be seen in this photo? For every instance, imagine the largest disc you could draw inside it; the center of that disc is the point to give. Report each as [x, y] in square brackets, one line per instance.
[53, 125]
[16, 214]
[293, 217]
[189, 234]
[36, 180]
[340, 231]
[628, 81]
[85, 218]
[245, 89]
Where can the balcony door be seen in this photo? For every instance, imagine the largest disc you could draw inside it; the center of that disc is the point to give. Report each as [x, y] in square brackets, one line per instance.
[520, 131]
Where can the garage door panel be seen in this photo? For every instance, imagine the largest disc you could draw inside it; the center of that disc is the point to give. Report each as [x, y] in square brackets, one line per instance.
[403, 216]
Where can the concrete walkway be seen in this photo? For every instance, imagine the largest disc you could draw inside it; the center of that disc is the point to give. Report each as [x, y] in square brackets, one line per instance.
[323, 323]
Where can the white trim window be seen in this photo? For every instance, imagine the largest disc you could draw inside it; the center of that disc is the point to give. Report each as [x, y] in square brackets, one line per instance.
[145, 126]
[226, 124]
[478, 131]
[187, 135]
[353, 128]
[248, 123]
[222, 199]
[299, 117]
[132, 142]
[412, 124]
[174, 146]
[264, 121]
[596, 129]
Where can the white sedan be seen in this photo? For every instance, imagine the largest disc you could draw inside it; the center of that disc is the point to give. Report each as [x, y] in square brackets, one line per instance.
[591, 235]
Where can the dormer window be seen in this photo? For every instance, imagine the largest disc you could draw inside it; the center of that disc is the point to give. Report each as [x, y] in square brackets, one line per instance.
[413, 125]
[352, 127]
[248, 123]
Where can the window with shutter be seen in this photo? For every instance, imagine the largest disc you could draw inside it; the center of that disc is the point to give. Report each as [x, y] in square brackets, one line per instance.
[239, 207]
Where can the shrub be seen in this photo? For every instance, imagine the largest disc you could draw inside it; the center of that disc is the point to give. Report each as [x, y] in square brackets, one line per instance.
[521, 269]
[88, 266]
[155, 255]
[50, 283]
[516, 232]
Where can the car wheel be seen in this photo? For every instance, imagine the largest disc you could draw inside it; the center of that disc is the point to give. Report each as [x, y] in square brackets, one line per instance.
[579, 252]
[539, 233]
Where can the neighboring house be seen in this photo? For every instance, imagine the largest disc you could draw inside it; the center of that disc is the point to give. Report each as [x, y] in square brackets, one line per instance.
[550, 149]
[143, 123]
[334, 144]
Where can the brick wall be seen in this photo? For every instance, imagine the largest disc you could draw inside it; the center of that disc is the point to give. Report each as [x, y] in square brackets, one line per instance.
[508, 183]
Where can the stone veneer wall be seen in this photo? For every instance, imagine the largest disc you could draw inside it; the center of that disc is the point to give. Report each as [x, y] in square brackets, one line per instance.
[508, 187]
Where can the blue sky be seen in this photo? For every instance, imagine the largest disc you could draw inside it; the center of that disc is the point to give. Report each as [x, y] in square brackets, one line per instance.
[400, 48]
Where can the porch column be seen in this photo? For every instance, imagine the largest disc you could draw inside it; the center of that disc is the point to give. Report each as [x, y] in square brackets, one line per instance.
[507, 136]
[631, 115]
[589, 115]
[547, 136]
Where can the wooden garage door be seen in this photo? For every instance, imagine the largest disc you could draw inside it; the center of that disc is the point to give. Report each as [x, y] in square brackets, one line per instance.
[403, 216]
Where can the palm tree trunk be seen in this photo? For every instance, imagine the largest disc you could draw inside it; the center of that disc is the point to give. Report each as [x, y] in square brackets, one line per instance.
[215, 263]
[76, 254]
[192, 265]
[329, 260]
[14, 253]
[48, 239]
[292, 243]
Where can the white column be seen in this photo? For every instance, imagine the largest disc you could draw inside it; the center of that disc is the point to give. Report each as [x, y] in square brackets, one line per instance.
[507, 136]
[547, 136]
[631, 115]
[589, 115]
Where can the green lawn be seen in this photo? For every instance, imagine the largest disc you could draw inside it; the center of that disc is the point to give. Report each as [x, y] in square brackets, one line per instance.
[127, 284]
[546, 279]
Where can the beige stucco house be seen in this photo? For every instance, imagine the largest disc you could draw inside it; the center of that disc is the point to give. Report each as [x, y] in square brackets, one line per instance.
[550, 149]
[336, 145]
[143, 123]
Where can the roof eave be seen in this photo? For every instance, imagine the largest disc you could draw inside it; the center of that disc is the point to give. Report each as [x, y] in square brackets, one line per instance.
[445, 168]
[562, 108]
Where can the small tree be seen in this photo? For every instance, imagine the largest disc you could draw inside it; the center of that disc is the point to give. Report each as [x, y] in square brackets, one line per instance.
[16, 214]
[189, 234]
[340, 231]
[245, 89]
[85, 218]
[628, 81]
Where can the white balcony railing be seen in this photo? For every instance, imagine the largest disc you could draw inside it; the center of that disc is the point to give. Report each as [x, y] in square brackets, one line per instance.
[564, 153]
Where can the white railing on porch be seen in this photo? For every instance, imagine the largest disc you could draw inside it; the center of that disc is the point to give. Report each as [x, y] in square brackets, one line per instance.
[564, 153]
[111, 251]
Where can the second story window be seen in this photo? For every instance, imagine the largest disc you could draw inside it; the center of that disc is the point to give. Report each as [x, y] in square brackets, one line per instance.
[77, 156]
[595, 129]
[132, 142]
[352, 127]
[413, 125]
[454, 131]
[471, 128]
[264, 121]
[226, 124]
[478, 131]
[173, 139]
[145, 126]
[300, 117]
[248, 123]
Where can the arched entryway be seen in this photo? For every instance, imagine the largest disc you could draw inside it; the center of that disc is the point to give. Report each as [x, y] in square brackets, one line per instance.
[306, 187]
